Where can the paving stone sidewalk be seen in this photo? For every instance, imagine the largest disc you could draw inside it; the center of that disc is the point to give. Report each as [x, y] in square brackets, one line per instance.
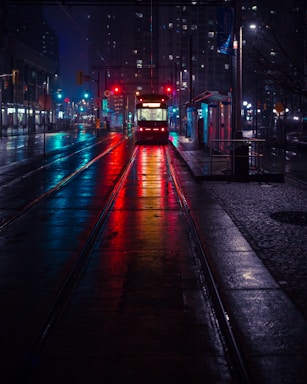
[273, 218]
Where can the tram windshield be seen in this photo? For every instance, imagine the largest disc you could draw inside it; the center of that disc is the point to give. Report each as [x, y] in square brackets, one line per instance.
[151, 114]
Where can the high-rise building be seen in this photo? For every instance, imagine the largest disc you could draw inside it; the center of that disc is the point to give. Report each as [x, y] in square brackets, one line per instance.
[27, 24]
[28, 63]
[150, 47]
[189, 34]
[274, 57]
[33, 45]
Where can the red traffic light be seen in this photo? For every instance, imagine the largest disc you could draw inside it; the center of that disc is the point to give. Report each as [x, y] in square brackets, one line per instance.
[168, 89]
[117, 90]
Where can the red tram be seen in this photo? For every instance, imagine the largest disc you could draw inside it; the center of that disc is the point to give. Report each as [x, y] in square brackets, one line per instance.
[151, 115]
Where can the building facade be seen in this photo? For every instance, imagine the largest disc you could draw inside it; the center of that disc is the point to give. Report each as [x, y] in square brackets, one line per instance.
[29, 50]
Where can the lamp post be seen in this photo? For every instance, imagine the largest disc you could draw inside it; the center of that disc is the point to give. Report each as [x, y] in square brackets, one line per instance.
[237, 72]
[254, 28]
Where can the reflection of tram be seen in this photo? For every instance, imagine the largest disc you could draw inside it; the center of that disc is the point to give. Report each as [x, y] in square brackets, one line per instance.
[152, 118]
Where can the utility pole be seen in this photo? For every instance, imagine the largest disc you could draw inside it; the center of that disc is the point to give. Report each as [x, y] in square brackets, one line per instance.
[237, 72]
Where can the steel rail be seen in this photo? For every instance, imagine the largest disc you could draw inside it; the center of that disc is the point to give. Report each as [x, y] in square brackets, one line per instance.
[222, 316]
[36, 349]
[58, 186]
[7, 183]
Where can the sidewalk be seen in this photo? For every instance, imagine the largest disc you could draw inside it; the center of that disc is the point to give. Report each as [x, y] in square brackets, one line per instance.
[271, 215]
[219, 167]
[255, 236]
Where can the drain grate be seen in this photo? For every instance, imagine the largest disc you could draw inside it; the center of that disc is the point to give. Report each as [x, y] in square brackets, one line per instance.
[291, 217]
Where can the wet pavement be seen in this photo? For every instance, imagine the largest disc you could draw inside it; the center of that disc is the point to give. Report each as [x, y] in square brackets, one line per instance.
[270, 215]
[260, 262]
[21, 147]
[260, 259]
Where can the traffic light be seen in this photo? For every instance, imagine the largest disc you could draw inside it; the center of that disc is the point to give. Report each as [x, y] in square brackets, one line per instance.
[80, 77]
[15, 76]
[116, 90]
[168, 89]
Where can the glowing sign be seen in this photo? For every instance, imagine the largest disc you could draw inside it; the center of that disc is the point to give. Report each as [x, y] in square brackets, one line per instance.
[151, 105]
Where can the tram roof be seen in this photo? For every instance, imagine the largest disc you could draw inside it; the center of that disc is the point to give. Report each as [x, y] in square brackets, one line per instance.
[152, 97]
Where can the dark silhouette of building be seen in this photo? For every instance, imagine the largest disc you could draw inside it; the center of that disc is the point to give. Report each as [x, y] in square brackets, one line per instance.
[29, 49]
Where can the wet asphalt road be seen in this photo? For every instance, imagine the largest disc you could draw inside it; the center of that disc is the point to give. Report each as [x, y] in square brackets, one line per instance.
[137, 312]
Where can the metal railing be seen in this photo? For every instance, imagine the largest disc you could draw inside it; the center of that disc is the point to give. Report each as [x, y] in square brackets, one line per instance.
[237, 156]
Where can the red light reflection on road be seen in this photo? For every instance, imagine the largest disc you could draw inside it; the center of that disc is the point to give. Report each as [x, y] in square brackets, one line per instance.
[141, 212]
[150, 171]
[137, 243]
[149, 186]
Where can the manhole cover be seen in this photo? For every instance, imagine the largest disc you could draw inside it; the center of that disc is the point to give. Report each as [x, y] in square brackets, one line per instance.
[291, 217]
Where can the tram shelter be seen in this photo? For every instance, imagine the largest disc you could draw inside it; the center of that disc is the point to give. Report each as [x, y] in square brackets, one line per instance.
[213, 119]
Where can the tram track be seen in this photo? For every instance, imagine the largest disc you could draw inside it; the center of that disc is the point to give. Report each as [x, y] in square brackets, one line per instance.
[221, 313]
[46, 165]
[72, 277]
[34, 169]
[58, 186]
[61, 299]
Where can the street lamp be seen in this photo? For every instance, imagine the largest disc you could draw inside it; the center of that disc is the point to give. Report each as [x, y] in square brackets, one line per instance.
[253, 27]
[237, 72]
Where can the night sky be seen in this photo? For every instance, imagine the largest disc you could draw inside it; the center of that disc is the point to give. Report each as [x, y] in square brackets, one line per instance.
[71, 27]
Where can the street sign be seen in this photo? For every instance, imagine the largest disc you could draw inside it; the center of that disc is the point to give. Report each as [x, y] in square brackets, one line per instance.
[104, 105]
[107, 93]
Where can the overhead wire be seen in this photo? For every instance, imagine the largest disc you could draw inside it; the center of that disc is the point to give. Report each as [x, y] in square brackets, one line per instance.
[84, 35]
